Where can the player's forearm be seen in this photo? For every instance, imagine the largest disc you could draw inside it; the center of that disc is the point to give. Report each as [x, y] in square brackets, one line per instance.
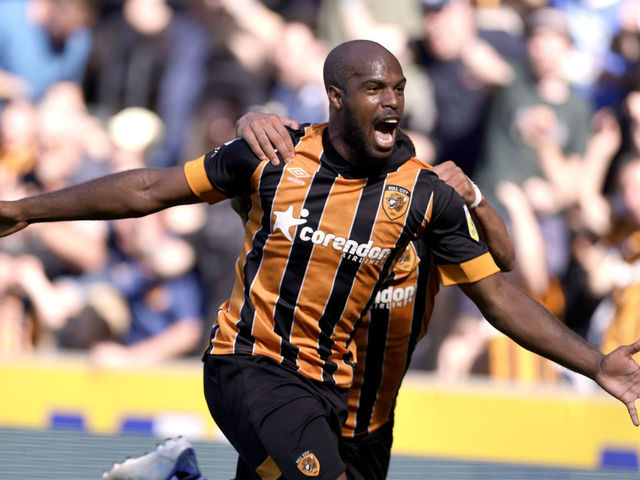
[493, 232]
[524, 320]
[132, 193]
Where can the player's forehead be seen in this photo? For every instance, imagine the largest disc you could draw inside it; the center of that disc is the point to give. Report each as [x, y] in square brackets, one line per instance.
[378, 66]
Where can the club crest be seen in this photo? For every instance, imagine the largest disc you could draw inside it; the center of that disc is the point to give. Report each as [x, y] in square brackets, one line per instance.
[395, 201]
[308, 464]
[407, 261]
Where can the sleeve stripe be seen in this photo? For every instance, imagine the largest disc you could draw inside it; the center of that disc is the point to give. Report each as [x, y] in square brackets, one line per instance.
[469, 271]
[199, 183]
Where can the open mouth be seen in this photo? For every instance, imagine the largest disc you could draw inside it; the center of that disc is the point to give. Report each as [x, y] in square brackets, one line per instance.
[384, 132]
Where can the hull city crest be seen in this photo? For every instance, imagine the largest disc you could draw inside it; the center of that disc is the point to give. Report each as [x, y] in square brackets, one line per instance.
[308, 464]
[407, 261]
[395, 201]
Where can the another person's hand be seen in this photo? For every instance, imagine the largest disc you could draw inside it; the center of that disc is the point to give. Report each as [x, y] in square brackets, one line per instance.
[537, 125]
[619, 375]
[266, 134]
[111, 355]
[452, 175]
[606, 136]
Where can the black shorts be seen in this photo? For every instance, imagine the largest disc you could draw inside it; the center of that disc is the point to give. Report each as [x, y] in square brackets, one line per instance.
[367, 455]
[282, 424]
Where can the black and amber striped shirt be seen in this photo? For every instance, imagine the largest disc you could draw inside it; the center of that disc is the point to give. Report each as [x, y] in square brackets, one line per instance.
[321, 237]
[387, 337]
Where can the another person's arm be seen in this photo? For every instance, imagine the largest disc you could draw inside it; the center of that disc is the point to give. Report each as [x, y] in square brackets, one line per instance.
[132, 193]
[177, 339]
[521, 318]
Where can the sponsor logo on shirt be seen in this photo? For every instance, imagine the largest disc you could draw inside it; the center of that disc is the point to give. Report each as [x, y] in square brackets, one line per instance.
[394, 297]
[351, 250]
[296, 174]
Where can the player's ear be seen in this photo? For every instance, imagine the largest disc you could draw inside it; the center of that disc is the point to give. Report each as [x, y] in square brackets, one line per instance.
[336, 97]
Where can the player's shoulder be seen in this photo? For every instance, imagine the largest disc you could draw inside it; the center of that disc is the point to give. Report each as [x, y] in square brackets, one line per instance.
[236, 148]
[424, 172]
[306, 130]
[308, 139]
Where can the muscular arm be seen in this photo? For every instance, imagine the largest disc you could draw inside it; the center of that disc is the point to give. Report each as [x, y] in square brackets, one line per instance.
[493, 232]
[520, 317]
[132, 193]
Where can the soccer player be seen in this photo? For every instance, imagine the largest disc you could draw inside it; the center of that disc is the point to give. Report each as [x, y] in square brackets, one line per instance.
[386, 337]
[399, 315]
[323, 233]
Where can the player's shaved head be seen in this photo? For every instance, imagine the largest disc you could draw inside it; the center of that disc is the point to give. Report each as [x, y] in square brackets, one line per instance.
[346, 60]
[365, 86]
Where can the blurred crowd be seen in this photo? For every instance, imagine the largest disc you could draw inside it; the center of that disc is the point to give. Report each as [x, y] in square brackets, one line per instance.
[537, 100]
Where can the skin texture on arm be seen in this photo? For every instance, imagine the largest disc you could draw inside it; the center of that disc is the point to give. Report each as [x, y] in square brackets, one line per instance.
[520, 317]
[132, 193]
[180, 338]
[525, 228]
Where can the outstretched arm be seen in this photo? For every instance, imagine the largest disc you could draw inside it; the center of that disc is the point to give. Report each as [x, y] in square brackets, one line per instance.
[132, 193]
[489, 223]
[520, 317]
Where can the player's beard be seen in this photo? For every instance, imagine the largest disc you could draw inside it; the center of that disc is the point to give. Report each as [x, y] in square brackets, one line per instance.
[357, 140]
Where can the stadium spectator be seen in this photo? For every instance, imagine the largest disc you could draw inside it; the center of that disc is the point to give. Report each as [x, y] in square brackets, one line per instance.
[610, 260]
[43, 42]
[153, 271]
[464, 64]
[536, 138]
[537, 127]
[150, 56]
[18, 138]
[595, 66]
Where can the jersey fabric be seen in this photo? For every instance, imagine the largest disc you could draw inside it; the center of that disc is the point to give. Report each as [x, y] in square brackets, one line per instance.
[321, 238]
[387, 337]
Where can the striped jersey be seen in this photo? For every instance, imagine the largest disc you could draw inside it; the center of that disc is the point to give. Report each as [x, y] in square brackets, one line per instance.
[386, 339]
[321, 238]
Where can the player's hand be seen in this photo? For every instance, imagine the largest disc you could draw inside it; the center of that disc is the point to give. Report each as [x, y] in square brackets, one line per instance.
[8, 222]
[452, 175]
[619, 375]
[266, 133]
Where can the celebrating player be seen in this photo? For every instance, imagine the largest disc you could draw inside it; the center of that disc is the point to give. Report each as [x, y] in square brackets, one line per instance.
[323, 234]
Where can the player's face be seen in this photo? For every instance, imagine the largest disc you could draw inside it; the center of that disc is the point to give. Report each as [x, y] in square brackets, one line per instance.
[373, 107]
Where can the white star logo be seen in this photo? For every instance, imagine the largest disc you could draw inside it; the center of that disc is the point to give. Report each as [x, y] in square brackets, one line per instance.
[285, 220]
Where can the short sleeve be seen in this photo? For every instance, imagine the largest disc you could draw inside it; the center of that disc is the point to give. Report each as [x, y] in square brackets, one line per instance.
[222, 173]
[452, 237]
